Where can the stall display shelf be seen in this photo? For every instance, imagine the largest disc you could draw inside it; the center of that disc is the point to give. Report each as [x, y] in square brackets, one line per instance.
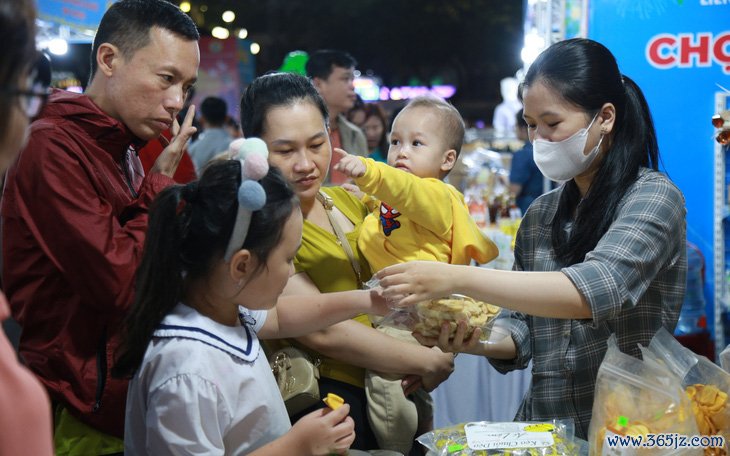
[721, 291]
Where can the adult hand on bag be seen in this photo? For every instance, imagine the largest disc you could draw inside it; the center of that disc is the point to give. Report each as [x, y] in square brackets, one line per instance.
[458, 344]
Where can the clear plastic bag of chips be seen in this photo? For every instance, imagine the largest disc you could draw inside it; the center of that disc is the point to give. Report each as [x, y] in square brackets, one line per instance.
[427, 318]
[725, 359]
[704, 382]
[635, 400]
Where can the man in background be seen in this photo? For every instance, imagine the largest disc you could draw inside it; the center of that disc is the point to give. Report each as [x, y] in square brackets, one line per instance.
[214, 138]
[525, 178]
[333, 74]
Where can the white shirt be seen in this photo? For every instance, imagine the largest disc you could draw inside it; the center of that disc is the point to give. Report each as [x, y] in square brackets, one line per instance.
[204, 389]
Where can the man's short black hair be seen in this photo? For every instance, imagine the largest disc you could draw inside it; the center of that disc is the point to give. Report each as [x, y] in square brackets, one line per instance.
[214, 110]
[322, 62]
[127, 25]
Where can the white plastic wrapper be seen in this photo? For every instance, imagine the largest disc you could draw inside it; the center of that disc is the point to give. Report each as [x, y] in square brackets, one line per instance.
[725, 359]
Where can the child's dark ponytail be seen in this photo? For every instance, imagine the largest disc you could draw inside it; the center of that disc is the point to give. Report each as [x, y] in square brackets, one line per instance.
[189, 229]
[159, 277]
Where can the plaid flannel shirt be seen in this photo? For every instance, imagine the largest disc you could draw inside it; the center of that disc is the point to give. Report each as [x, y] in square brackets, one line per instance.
[633, 280]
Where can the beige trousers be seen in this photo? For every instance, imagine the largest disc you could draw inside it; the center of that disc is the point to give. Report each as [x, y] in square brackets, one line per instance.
[393, 417]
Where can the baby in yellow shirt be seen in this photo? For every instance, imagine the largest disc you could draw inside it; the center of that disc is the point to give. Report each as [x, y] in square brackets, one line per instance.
[419, 217]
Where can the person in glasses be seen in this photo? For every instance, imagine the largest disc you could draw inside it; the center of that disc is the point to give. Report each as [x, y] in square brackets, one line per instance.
[74, 213]
[25, 94]
[25, 421]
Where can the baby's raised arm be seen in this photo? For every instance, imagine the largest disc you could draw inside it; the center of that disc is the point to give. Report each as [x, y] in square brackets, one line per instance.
[350, 165]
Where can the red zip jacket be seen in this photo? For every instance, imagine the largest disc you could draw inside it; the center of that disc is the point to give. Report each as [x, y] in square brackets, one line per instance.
[185, 169]
[73, 229]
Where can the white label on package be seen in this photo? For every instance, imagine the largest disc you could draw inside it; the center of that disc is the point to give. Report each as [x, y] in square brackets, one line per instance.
[495, 436]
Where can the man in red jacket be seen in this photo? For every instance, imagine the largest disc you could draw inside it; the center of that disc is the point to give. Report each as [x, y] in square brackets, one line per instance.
[74, 212]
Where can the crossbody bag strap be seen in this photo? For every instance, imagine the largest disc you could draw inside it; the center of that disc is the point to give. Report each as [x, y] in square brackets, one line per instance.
[328, 205]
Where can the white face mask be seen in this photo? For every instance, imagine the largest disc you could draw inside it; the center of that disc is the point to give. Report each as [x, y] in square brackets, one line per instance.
[563, 160]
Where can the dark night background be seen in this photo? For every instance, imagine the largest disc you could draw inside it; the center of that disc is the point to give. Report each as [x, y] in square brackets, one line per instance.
[471, 44]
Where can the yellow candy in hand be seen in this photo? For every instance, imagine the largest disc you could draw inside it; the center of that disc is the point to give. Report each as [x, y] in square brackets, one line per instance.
[333, 401]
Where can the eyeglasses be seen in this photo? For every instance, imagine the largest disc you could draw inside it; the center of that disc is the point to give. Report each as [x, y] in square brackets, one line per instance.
[34, 97]
[31, 101]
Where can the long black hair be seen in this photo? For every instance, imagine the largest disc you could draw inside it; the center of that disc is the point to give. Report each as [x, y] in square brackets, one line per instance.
[189, 229]
[585, 73]
[275, 90]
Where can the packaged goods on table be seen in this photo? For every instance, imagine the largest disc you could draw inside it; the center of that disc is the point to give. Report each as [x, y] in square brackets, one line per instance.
[553, 438]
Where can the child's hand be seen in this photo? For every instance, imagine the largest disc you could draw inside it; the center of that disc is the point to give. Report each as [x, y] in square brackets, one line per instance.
[379, 305]
[354, 189]
[349, 165]
[325, 431]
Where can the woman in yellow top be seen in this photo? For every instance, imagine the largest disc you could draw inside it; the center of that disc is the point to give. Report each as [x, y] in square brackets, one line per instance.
[286, 111]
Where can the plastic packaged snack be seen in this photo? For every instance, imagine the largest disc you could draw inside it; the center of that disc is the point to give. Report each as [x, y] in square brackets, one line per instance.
[482, 438]
[431, 315]
[706, 385]
[636, 398]
[427, 318]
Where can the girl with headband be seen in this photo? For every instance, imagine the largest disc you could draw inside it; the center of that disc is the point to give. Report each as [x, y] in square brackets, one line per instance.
[218, 254]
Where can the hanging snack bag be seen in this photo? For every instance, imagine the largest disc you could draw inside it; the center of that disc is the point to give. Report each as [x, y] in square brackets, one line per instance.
[704, 382]
[634, 402]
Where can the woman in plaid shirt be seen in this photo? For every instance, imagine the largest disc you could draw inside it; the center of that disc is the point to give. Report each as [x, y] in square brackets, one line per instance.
[602, 254]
